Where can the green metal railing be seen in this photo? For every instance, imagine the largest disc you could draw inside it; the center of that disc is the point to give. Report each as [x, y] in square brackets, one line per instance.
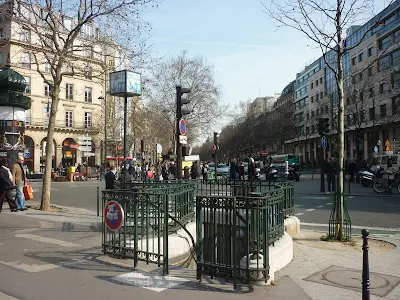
[151, 213]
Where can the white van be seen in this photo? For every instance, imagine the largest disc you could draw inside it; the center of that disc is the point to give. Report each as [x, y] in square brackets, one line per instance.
[382, 160]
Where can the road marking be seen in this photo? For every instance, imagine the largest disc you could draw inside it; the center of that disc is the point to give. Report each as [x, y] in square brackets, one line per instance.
[42, 239]
[314, 198]
[330, 203]
[36, 268]
[299, 214]
[6, 297]
[151, 282]
[310, 209]
[320, 206]
[355, 227]
[54, 189]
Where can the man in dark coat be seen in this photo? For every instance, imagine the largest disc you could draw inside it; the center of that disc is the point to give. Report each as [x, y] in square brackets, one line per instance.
[6, 186]
[110, 178]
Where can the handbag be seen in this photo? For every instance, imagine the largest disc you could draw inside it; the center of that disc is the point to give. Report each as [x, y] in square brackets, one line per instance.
[28, 192]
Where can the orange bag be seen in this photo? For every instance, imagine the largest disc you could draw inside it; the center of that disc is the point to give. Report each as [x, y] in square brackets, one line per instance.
[28, 192]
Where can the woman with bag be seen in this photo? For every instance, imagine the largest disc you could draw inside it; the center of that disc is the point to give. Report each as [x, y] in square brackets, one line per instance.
[6, 186]
[18, 175]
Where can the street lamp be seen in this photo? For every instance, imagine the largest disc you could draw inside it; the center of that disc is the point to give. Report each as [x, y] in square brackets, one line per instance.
[105, 127]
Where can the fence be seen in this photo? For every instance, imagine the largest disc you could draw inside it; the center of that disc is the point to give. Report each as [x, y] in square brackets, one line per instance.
[236, 221]
[151, 213]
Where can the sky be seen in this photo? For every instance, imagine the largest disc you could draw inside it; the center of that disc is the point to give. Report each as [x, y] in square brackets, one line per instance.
[251, 58]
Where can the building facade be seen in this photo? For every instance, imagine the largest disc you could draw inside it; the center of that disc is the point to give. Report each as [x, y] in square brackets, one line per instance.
[80, 110]
[372, 96]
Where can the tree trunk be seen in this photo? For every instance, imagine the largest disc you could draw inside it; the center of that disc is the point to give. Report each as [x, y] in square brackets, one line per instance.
[45, 203]
[339, 192]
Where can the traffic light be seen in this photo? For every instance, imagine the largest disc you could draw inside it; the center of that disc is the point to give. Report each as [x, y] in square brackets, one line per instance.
[180, 101]
[323, 126]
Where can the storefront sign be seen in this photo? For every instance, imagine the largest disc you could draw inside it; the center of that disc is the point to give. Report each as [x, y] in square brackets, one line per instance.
[3, 154]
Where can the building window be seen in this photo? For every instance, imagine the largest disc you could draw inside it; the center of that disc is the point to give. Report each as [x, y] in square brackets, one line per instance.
[312, 129]
[308, 115]
[361, 96]
[25, 61]
[396, 80]
[68, 118]
[361, 57]
[312, 114]
[395, 105]
[88, 119]
[353, 61]
[348, 119]
[383, 110]
[353, 79]
[87, 30]
[320, 80]
[381, 88]
[307, 130]
[312, 99]
[47, 67]
[326, 109]
[67, 23]
[25, 35]
[317, 96]
[48, 89]
[316, 83]
[88, 73]
[396, 57]
[312, 85]
[372, 113]
[370, 51]
[321, 95]
[69, 91]
[317, 112]
[370, 70]
[88, 94]
[360, 76]
[28, 85]
[385, 43]
[88, 52]
[371, 92]
[384, 63]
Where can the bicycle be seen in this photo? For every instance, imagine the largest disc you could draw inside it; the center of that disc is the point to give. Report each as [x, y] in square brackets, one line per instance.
[382, 185]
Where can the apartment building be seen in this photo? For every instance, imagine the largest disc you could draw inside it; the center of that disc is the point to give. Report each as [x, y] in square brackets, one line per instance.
[81, 107]
[372, 94]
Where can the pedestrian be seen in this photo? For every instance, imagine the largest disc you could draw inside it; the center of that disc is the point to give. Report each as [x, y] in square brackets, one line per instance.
[251, 169]
[330, 171]
[6, 186]
[241, 171]
[18, 176]
[110, 178]
[233, 170]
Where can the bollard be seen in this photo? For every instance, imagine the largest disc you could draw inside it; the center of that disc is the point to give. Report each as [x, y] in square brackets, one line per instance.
[365, 272]
[98, 202]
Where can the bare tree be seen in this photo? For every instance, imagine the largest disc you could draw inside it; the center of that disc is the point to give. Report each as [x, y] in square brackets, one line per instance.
[325, 23]
[198, 75]
[63, 38]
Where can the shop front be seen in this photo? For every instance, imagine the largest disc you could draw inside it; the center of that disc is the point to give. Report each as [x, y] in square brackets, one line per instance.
[43, 145]
[29, 153]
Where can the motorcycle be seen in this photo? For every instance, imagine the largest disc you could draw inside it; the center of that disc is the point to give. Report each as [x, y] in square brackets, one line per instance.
[271, 173]
[368, 176]
[293, 175]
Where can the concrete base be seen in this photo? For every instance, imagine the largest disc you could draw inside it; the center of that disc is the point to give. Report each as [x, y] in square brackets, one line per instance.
[280, 255]
[292, 225]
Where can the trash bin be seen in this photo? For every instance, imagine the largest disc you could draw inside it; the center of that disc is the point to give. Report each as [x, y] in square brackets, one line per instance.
[186, 172]
[71, 171]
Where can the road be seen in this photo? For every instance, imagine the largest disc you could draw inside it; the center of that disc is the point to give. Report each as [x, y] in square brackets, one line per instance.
[366, 208]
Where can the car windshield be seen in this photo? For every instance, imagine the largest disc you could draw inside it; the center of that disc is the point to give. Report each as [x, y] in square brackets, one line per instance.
[222, 166]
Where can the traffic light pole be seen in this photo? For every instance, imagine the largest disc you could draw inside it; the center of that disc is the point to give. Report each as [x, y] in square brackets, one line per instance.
[178, 144]
[322, 160]
[215, 154]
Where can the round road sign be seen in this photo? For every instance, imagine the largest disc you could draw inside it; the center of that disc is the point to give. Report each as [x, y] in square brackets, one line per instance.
[113, 215]
[214, 148]
[182, 126]
[265, 153]
[376, 149]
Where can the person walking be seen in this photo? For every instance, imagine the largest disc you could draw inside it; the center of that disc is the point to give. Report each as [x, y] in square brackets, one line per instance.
[110, 178]
[330, 172]
[6, 186]
[18, 177]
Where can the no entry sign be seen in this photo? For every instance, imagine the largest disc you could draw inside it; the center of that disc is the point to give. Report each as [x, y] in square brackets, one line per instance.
[113, 215]
[265, 153]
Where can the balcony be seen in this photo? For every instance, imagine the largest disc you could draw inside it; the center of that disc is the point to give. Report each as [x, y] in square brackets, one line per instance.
[60, 125]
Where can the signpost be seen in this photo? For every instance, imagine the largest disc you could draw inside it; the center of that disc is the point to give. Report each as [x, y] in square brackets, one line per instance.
[183, 139]
[265, 153]
[182, 127]
[324, 142]
[113, 215]
[387, 144]
[125, 84]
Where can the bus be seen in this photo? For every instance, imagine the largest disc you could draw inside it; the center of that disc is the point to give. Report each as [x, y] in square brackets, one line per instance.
[281, 159]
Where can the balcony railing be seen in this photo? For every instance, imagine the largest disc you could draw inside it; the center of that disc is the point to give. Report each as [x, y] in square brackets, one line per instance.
[60, 124]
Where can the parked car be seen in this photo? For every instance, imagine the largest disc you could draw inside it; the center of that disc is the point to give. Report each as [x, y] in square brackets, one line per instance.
[222, 169]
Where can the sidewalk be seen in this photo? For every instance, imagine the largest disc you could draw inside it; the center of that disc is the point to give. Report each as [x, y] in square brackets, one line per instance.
[33, 230]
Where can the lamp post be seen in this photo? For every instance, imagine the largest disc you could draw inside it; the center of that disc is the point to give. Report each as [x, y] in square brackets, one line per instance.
[105, 128]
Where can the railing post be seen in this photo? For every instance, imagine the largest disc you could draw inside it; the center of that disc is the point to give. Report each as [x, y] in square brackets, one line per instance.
[98, 201]
[365, 271]
[165, 238]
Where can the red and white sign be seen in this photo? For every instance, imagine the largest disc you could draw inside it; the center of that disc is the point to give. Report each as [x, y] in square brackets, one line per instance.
[113, 215]
[265, 153]
[182, 126]
[214, 148]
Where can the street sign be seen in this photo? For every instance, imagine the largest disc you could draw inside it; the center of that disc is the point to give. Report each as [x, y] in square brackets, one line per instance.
[324, 142]
[125, 83]
[159, 148]
[183, 139]
[27, 154]
[182, 127]
[389, 152]
[376, 149]
[214, 148]
[85, 148]
[89, 154]
[113, 215]
[84, 138]
[265, 153]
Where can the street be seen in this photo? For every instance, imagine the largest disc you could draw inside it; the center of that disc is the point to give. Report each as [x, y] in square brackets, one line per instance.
[366, 208]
